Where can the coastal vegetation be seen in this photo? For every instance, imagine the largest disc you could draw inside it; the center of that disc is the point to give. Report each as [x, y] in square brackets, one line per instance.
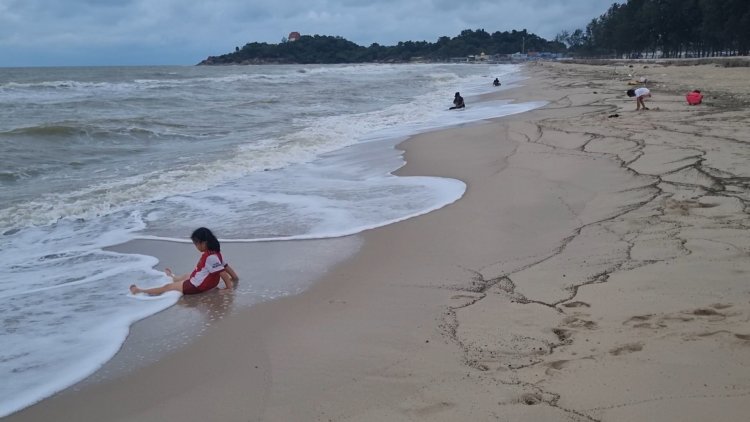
[333, 49]
[667, 28]
[633, 29]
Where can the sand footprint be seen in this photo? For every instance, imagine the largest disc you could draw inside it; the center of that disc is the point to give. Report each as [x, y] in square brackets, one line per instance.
[712, 314]
[706, 312]
[531, 399]
[563, 335]
[558, 364]
[463, 297]
[627, 348]
[575, 322]
[641, 321]
[743, 337]
[639, 318]
[431, 409]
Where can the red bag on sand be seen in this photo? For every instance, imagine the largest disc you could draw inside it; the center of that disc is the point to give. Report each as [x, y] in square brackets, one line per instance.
[694, 98]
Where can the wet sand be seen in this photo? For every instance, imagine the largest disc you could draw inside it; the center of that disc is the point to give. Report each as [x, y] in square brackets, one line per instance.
[595, 270]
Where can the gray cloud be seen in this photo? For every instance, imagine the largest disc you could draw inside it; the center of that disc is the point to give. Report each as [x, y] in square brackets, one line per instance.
[49, 32]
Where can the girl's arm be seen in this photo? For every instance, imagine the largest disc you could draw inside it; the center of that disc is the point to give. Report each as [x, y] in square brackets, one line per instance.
[174, 277]
[229, 276]
[231, 272]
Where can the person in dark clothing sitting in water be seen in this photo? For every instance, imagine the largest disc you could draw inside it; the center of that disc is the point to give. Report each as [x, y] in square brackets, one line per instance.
[496, 82]
[458, 102]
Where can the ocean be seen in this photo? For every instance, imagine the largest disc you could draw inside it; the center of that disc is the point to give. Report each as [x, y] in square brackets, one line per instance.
[97, 156]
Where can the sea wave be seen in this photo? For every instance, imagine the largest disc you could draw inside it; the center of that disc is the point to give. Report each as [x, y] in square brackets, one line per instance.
[104, 129]
[10, 176]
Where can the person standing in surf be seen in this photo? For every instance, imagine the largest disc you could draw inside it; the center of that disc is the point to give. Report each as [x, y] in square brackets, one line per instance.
[210, 269]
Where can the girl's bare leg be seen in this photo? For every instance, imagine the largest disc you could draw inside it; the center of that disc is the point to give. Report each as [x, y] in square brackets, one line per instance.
[176, 286]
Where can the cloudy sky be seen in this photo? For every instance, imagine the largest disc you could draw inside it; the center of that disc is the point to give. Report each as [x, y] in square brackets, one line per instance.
[132, 32]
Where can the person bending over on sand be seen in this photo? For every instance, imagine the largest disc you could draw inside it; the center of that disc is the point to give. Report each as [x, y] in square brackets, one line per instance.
[496, 82]
[640, 94]
[210, 269]
[458, 102]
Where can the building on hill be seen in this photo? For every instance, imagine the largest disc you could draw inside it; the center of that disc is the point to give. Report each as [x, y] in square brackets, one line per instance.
[294, 36]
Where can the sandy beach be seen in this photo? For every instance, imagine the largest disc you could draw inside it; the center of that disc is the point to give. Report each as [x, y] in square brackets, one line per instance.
[595, 270]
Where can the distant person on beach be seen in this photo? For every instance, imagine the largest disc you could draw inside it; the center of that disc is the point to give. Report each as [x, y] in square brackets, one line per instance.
[458, 102]
[496, 82]
[640, 94]
[210, 269]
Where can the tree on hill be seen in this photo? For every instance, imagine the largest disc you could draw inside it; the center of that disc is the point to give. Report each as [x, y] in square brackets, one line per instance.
[330, 49]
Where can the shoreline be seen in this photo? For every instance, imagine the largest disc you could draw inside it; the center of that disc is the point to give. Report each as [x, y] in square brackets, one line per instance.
[524, 300]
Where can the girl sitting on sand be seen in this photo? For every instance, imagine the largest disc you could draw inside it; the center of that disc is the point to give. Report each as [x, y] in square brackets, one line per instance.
[207, 273]
[458, 102]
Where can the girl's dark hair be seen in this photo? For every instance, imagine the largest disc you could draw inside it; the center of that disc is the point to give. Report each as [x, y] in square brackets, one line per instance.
[631, 93]
[203, 234]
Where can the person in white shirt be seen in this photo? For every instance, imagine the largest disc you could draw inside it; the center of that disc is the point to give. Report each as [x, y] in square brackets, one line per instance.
[640, 94]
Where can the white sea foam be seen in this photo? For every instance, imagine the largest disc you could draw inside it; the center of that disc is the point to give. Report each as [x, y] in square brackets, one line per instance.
[65, 312]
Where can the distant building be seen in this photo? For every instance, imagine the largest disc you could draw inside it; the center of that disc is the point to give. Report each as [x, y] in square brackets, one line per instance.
[549, 56]
[294, 36]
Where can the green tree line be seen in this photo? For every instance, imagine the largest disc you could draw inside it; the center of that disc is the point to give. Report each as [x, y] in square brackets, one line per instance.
[674, 28]
[330, 49]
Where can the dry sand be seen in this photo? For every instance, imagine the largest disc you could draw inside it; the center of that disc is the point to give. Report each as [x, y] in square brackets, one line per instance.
[596, 270]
